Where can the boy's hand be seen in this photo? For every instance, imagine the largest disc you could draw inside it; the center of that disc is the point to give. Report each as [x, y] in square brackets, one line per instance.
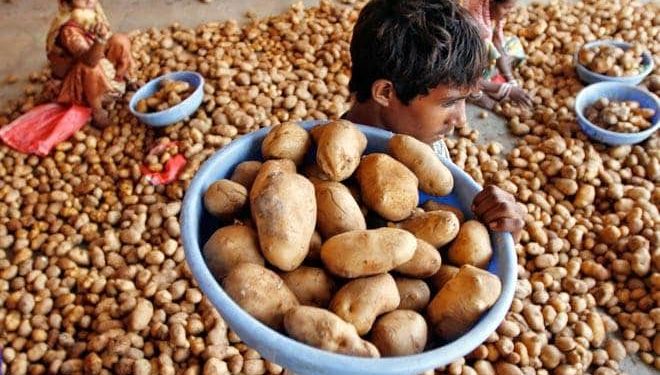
[499, 211]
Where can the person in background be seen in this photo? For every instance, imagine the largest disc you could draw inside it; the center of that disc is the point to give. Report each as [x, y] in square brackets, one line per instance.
[503, 52]
[91, 62]
[414, 65]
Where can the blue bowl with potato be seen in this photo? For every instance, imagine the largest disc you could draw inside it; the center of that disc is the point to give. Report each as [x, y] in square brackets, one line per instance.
[589, 77]
[197, 225]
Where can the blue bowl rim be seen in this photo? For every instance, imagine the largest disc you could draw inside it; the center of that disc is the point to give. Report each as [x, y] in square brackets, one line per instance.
[434, 358]
[600, 86]
[625, 45]
[190, 98]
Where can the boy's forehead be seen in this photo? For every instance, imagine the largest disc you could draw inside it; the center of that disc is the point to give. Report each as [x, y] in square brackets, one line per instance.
[446, 91]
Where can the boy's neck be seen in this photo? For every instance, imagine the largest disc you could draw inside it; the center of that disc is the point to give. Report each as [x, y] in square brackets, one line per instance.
[365, 113]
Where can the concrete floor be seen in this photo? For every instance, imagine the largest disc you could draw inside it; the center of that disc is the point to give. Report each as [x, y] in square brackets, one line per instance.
[24, 23]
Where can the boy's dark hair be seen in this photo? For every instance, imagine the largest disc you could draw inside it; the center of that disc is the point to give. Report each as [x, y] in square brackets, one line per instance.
[417, 45]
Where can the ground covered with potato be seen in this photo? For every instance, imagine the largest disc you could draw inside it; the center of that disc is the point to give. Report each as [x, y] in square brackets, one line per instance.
[92, 273]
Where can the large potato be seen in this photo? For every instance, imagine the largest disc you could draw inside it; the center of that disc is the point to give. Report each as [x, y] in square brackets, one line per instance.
[444, 274]
[400, 332]
[312, 286]
[472, 246]
[340, 145]
[245, 173]
[431, 205]
[283, 208]
[229, 246]
[322, 329]
[434, 177]
[367, 252]
[286, 141]
[462, 300]
[436, 227]
[337, 210]
[387, 186]
[225, 199]
[260, 292]
[414, 293]
[362, 300]
[424, 263]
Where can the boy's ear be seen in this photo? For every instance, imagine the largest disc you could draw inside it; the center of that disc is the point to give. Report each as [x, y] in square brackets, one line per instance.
[382, 91]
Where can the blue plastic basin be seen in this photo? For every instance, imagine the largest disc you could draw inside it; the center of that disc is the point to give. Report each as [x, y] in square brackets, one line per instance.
[173, 114]
[197, 226]
[589, 77]
[619, 92]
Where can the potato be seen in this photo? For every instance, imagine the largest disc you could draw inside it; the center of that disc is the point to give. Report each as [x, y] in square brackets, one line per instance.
[286, 141]
[414, 293]
[260, 292]
[462, 300]
[314, 173]
[312, 286]
[337, 210]
[431, 205]
[361, 301]
[444, 274]
[322, 329]
[283, 208]
[436, 227]
[400, 332]
[225, 199]
[387, 186]
[229, 246]
[340, 145]
[472, 246]
[434, 177]
[245, 173]
[367, 252]
[424, 263]
[273, 166]
[314, 254]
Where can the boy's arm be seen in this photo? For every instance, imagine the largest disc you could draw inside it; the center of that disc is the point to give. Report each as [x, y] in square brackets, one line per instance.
[499, 210]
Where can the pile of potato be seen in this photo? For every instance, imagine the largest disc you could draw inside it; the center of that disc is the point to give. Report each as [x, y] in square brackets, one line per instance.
[169, 94]
[613, 61]
[620, 116]
[340, 257]
[93, 276]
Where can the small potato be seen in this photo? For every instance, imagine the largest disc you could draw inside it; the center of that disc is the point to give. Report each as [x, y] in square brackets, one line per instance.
[436, 227]
[472, 246]
[462, 300]
[312, 286]
[314, 254]
[361, 301]
[444, 274]
[225, 199]
[229, 246]
[431, 205]
[260, 292]
[424, 263]
[434, 177]
[322, 329]
[414, 293]
[283, 208]
[286, 141]
[246, 172]
[314, 173]
[337, 210]
[400, 332]
[340, 145]
[387, 186]
[367, 252]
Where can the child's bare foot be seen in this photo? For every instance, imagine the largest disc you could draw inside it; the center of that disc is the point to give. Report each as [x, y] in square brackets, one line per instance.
[485, 102]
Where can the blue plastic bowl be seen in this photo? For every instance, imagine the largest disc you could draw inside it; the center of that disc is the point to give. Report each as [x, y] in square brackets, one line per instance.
[173, 114]
[197, 226]
[589, 77]
[615, 91]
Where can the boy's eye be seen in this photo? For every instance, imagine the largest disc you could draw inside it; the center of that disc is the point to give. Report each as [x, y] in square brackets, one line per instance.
[450, 103]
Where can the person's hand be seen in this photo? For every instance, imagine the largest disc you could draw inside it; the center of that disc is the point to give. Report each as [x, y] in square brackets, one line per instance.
[499, 211]
[519, 95]
[101, 32]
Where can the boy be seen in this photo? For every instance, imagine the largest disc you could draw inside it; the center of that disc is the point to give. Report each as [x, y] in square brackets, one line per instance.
[415, 62]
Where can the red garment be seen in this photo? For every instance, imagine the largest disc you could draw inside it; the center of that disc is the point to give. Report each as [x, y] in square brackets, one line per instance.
[43, 127]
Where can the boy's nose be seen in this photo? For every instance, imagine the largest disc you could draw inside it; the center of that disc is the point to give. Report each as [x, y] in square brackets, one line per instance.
[460, 116]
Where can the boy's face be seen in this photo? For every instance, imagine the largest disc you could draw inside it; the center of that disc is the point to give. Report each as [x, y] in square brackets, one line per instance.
[428, 117]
